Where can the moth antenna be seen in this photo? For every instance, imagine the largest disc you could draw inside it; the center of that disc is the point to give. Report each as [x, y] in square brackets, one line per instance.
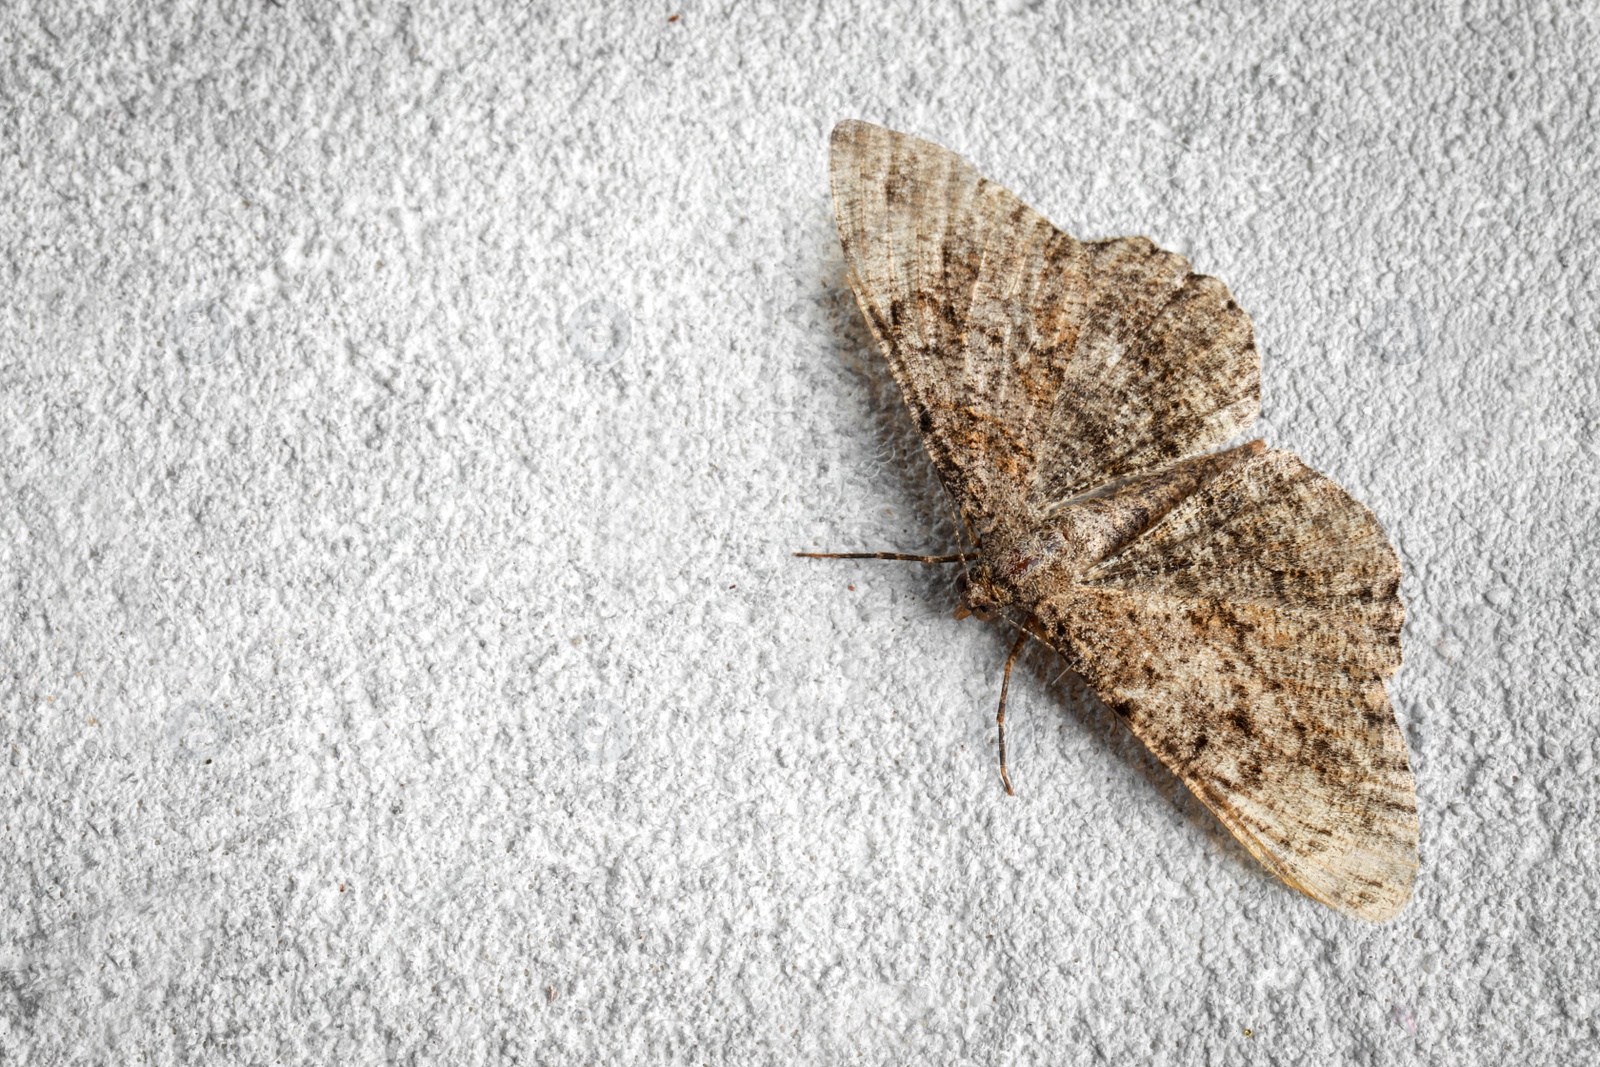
[959, 557]
[1000, 716]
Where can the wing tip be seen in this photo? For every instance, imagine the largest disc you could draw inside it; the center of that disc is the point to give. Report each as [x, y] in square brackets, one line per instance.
[858, 136]
[849, 127]
[1389, 900]
[1378, 897]
[1377, 887]
[851, 134]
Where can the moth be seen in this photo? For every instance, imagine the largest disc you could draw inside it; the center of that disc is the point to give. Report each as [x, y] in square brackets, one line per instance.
[1236, 609]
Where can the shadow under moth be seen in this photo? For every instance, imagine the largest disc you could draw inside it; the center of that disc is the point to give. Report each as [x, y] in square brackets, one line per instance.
[1236, 609]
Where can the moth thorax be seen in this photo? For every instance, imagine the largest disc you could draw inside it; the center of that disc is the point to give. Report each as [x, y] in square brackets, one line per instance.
[1011, 569]
[1029, 557]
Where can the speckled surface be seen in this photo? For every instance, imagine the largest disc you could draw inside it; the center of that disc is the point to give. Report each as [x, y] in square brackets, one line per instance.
[406, 415]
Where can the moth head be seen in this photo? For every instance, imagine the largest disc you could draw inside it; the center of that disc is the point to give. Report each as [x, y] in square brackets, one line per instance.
[980, 594]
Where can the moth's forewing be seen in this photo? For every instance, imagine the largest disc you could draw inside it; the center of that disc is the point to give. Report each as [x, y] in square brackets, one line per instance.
[1036, 366]
[1246, 639]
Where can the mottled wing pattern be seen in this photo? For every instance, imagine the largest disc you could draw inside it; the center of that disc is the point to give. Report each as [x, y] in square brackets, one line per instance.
[1036, 366]
[1246, 639]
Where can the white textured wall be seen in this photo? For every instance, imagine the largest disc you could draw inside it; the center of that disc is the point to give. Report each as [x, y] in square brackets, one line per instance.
[406, 414]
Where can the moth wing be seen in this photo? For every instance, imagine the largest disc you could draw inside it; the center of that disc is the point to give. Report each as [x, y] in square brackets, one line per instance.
[1036, 366]
[1246, 640]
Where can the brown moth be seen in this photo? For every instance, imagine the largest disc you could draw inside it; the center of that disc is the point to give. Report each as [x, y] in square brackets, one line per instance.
[1238, 610]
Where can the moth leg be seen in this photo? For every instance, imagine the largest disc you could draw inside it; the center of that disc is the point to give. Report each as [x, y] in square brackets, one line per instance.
[959, 557]
[1000, 716]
